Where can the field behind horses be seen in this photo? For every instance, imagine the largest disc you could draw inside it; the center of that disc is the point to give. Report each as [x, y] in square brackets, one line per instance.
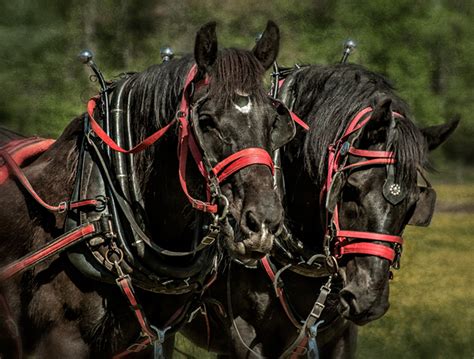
[431, 313]
[432, 296]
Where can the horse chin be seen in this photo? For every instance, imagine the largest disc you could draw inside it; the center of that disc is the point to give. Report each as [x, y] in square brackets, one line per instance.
[246, 249]
[364, 317]
[363, 308]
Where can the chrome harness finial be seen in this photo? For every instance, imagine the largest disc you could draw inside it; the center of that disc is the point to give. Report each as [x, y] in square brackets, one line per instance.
[86, 56]
[166, 54]
[349, 46]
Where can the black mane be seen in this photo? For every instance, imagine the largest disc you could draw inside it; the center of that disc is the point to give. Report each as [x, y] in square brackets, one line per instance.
[332, 96]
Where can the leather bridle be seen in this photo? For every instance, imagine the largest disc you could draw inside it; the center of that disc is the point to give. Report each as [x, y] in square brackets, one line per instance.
[344, 242]
[187, 142]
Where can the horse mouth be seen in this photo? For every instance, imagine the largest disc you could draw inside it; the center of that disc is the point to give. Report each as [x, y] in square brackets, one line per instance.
[246, 249]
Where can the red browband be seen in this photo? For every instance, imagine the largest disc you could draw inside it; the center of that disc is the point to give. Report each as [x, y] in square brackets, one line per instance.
[187, 143]
[357, 242]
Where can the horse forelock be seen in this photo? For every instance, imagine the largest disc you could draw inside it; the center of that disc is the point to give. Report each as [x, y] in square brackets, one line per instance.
[331, 96]
[155, 93]
[236, 72]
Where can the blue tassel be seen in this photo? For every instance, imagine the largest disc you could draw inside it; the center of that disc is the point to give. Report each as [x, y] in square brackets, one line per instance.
[313, 352]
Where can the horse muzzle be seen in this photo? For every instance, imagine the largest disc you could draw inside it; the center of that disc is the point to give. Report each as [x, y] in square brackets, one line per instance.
[362, 306]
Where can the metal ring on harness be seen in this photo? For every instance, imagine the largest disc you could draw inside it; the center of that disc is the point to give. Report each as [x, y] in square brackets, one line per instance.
[332, 264]
[101, 204]
[112, 251]
[225, 211]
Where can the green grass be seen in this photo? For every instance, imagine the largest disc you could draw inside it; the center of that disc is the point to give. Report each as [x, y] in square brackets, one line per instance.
[432, 296]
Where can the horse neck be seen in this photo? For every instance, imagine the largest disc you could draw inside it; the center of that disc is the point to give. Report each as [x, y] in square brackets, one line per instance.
[302, 196]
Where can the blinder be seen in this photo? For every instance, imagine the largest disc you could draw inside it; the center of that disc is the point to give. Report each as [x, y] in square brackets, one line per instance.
[424, 207]
[284, 128]
[334, 192]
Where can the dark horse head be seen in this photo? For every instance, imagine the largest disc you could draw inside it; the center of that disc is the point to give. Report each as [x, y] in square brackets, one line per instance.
[364, 183]
[230, 112]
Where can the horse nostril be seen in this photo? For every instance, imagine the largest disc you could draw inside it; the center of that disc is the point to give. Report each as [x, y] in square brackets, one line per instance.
[349, 302]
[275, 228]
[252, 222]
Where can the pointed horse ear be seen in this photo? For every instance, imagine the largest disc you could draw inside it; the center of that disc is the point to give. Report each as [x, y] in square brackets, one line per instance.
[436, 135]
[380, 120]
[205, 46]
[267, 47]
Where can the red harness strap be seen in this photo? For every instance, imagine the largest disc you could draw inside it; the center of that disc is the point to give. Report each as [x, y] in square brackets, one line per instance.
[298, 120]
[337, 152]
[240, 160]
[21, 150]
[61, 207]
[280, 294]
[57, 245]
[148, 334]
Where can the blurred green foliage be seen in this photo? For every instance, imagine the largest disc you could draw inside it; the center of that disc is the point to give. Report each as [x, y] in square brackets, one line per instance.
[425, 47]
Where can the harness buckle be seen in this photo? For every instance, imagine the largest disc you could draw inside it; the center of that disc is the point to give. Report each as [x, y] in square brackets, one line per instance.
[101, 203]
[212, 235]
[398, 255]
[63, 207]
[317, 310]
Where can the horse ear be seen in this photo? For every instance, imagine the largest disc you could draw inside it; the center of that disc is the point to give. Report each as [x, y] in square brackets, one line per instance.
[382, 113]
[436, 135]
[380, 120]
[205, 47]
[266, 49]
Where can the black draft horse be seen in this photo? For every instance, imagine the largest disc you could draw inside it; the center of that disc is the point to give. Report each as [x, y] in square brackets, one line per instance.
[260, 324]
[56, 309]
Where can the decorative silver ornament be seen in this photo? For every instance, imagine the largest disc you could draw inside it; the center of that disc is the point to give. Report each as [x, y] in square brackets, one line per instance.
[86, 56]
[395, 189]
[166, 53]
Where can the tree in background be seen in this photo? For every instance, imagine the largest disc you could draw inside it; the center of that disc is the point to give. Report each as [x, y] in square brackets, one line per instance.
[424, 47]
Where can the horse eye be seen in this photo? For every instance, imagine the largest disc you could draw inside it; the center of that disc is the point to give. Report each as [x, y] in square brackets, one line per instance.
[207, 123]
[350, 193]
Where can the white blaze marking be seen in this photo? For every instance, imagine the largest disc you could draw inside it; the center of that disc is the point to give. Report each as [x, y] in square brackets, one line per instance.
[245, 109]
